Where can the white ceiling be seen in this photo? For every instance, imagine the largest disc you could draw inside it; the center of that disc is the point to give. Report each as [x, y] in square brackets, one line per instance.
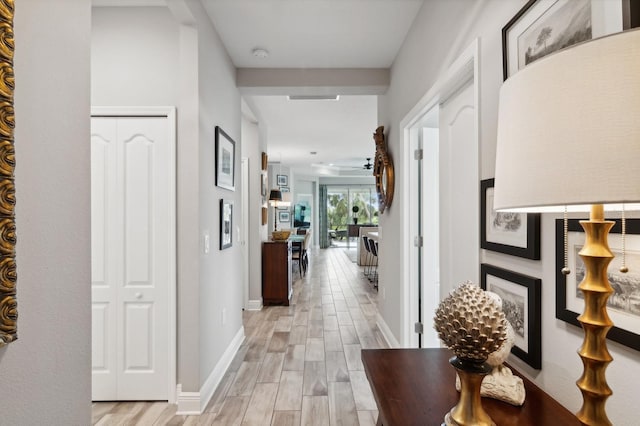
[311, 34]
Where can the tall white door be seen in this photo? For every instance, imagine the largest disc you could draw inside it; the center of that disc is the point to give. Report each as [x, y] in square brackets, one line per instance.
[131, 214]
[459, 189]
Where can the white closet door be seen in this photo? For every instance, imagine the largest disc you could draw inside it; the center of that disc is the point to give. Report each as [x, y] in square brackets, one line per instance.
[459, 199]
[130, 243]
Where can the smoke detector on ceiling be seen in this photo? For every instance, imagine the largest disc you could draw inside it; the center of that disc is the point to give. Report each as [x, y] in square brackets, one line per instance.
[260, 53]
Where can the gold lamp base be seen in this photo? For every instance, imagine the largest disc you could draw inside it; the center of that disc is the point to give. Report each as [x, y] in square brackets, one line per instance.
[595, 320]
[469, 409]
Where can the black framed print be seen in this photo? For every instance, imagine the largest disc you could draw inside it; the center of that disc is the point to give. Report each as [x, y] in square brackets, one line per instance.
[521, 298]
[517, 234]
[282, 180]
[226, 224]
[284, 217]
[542, 27]
[623, 306]
[225, 160]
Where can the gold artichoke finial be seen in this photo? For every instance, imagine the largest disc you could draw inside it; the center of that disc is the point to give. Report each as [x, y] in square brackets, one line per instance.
[469, 323]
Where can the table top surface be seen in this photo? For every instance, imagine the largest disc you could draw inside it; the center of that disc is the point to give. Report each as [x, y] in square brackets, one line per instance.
[417, 387]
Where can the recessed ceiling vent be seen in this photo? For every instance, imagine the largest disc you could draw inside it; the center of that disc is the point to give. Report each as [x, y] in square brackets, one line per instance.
[314, 97]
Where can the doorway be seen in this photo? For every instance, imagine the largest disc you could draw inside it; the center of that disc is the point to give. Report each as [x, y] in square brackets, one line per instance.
[133, 260]
[441, 212]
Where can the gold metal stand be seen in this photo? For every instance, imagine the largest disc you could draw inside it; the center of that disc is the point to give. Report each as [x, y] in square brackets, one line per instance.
[469, 409]
[595, 320]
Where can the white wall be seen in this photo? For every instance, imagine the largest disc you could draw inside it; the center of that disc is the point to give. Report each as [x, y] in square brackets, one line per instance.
[251, 145]
[46, 373]
[133, 56]
[441, 31]
[221, 275]
[174, 57]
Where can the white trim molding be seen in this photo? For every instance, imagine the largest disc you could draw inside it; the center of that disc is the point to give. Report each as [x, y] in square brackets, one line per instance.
[254, 305]
[391, 340]
[194, 403]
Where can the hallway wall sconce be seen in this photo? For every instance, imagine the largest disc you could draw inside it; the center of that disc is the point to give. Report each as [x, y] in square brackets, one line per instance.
[568, 137]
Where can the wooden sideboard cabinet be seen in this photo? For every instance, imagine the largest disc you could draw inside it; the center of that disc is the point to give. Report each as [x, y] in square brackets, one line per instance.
[276, 273]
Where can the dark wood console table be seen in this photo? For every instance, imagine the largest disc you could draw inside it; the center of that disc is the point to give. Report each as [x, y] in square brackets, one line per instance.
[417, 387]
[276, 273]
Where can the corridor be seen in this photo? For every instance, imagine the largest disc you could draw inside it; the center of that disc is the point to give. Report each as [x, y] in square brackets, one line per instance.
[299, 365]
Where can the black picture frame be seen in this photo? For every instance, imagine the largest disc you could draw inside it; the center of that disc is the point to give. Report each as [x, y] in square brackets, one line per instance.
[282, 180]
[566, 309]
[284, 216]
[226, 224]
[225, 160]
[493, 241]
[522, 307]
[536, 16]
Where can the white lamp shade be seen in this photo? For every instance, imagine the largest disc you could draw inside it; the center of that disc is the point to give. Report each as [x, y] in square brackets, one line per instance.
[569, 128]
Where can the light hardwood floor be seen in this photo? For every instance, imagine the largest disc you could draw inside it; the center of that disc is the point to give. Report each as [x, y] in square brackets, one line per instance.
[299, 365]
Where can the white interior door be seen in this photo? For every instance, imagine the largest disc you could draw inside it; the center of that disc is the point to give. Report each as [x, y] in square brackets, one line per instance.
[133, 187]
[459, 177]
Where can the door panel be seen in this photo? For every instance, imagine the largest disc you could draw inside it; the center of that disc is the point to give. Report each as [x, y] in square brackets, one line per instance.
[459, 177]
[103, 258]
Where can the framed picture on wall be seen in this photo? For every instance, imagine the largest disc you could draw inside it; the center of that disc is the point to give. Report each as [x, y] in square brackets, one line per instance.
[521, 298]
[284, 217]
[226, 224]
[225, 160]
[517, 234]
[282, 180]
[542, 27]
[623, 306]
[264, 161]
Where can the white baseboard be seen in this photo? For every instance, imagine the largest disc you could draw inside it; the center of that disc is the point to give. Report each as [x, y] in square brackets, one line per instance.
[386, 332]
[254, 305]
[194, 403]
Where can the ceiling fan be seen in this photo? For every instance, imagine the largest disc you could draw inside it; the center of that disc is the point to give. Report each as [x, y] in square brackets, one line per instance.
[369, 165]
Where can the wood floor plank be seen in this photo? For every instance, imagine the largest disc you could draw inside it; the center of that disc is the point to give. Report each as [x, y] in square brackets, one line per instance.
[332, 341]
[290, 391]
[315, 378]
[245, 379]
[260, 409]
[368, 418]
[314, 350]
[342, 407]
[294, 358]
[271, 368]
[336, 364]
[315, 411]
[232, 411]
[352, 355]
[362, 391]
[279, 341]
[286, 418]
[348, 335]
[298, 335]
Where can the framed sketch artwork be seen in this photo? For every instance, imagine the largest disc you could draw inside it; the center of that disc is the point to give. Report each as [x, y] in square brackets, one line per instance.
[284, 217]
[542, 27]
[623, 306]
[226, 224]
[517, 234]
[225, 160]
[521, 298]
[282, 180]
